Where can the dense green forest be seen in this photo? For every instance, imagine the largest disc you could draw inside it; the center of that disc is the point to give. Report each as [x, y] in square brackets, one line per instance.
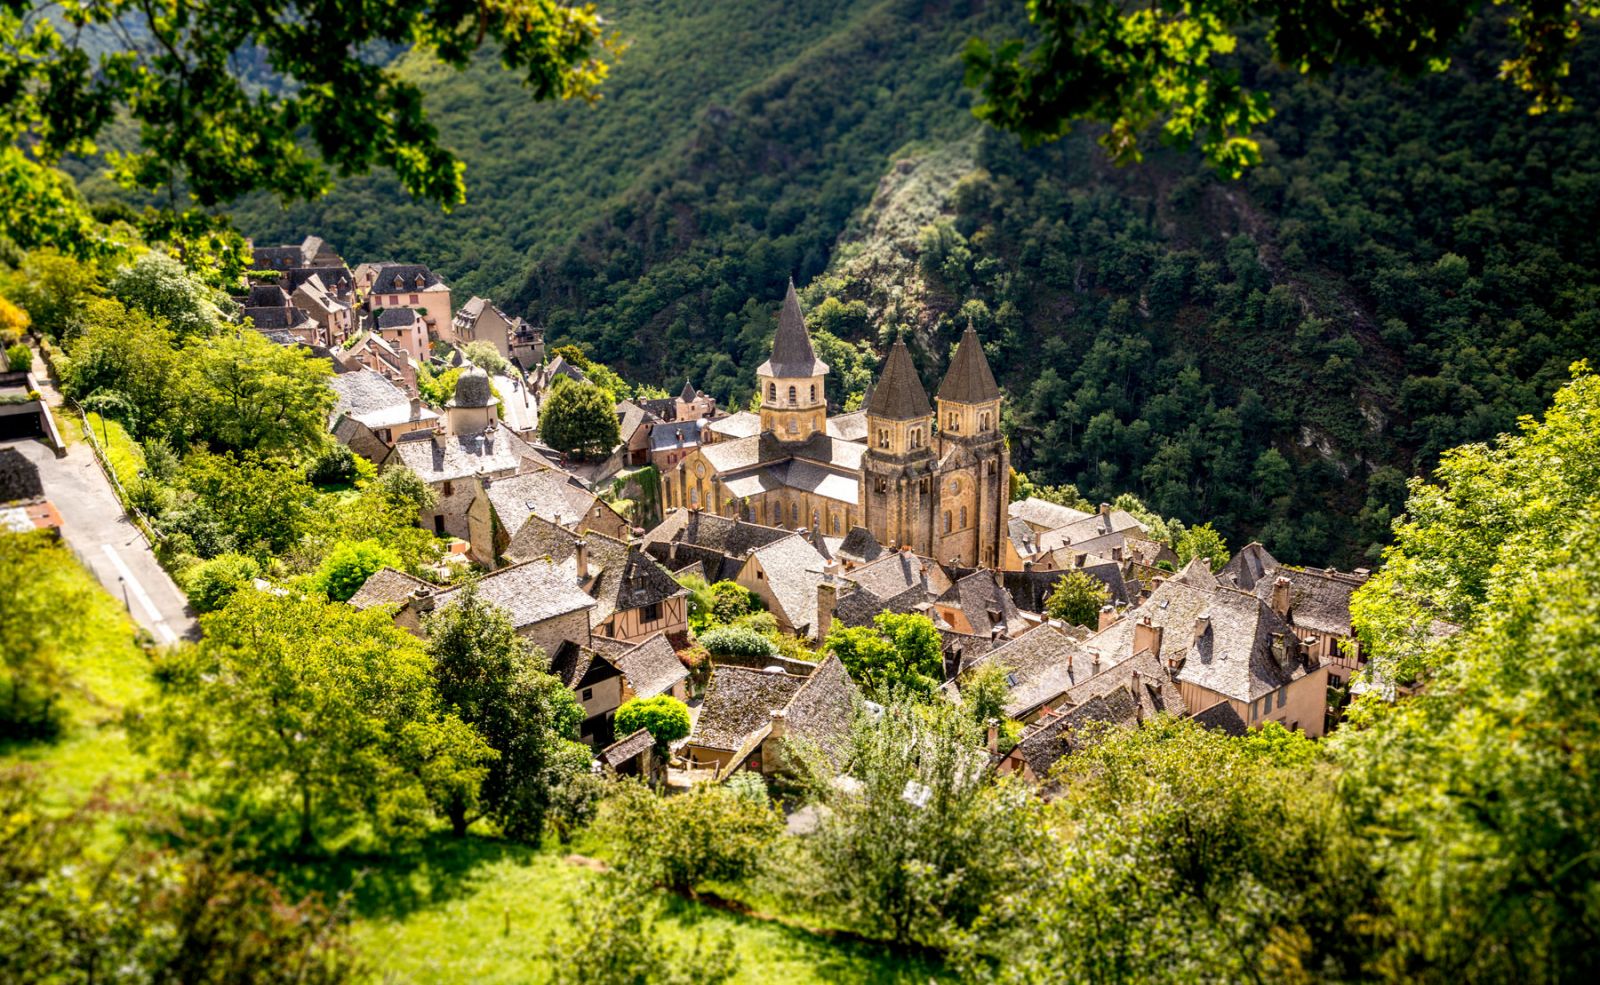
[1411, 267]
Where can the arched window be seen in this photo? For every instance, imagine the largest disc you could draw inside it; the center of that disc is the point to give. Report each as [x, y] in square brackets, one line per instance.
[813, 393]
[772, 392]
[946, 521]
[963, 518]
[794, 513]
[794, 426]
[883, 437]
[792, 399]
[694, 498]
[950, 425]
[983, 421]
[836, 524]
[816, 520]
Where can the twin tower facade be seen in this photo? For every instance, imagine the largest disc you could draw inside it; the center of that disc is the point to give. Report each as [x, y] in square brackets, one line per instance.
[936, 479]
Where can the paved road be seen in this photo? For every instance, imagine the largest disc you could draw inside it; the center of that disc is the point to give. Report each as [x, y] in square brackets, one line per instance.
[518, 409]
[94, 525]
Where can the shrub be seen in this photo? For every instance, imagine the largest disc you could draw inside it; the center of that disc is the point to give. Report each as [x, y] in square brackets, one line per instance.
[19, 358]
[663, 716]
[709, 834]
[730, 600]
[335, 465]
[211, 584]
[349, 565]
[737, 641]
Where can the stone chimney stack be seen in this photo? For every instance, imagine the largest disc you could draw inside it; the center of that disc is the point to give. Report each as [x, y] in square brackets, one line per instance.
[1108, 617]
[827, 601]
[780, 724]
[1146, 637]
[1202, 626]
[422, 600]
[416, 407]
[1134, 683]
[1116, 554]
[1280, 596]
[581, 557]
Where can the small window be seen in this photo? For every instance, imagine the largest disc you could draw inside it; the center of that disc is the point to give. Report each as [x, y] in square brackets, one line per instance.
[883, 437]
[951, 424]
[836, 524]
[651, 613]
[963, 518]
[1283, 697]
[413, 299]
[794, 513]
[883, 485]
[772, 391]
[761, 575]
[947, 526]
[813, 393]
[588, 693]
[792, 397]
[438, 523]
[448, 488]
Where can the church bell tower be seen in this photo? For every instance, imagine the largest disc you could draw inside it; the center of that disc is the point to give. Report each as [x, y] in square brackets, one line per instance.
[897, 472]
[974, 471]
[793, 404]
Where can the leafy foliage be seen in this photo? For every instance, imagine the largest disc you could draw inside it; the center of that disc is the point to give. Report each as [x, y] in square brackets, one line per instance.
[665, 717]
[348, 566]
[157, 906]
[296, 707]
[899, 653]
[611, 938]
[709, 834]
[738, 641]
[496, 682]
[1077, 599]
[927, 840]
[212, 583]
[579, 419]
[1129, 69]
[1203, 542]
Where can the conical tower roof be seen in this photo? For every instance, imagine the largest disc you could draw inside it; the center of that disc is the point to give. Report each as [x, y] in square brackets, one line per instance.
[688, 394]
[792, 355]
[899, 395]
[969, 380]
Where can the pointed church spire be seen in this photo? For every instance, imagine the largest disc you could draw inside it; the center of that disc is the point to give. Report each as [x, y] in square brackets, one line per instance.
[792, 355]
[969, 380]
[899, 395]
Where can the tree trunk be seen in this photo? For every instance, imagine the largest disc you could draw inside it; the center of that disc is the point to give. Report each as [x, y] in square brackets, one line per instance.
[458, 819]
[306, 840]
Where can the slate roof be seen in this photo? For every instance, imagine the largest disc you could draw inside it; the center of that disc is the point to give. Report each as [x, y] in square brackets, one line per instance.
[969, 380]
[688, 394]
[739, 702]
[848, 427]
[623, 577]
[276, 257]
[1249, 566]
[540, 491]
[794, 570]
[19, 478]
[363, 392]
[652, 667]
[741, 425]
[1319, 601]
[899, 395]
[266, 296]
[1044, 664]
[725, 535]
[275, 319]
[383, 281]
[897, 572]
[397, 318]
[574, 664]
[1045, 742]
[457, 456]
[1221, 717]
[631, 417]
[530, 592]
[822, 710]
[792, 355]
[538, 538]
[669, 436]
[386, 586]
[860, 546]
[472, 389]
[985, 604]
[331, 278]
[1233, 656]
[1041, 514]
[1095, 533]
[1144, 678]
[1197, 574]
[626, 748]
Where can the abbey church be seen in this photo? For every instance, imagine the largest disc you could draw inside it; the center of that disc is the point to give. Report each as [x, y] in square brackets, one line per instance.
[938, 483]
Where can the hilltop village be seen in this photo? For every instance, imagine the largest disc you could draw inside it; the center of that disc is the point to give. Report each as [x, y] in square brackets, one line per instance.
[826, 521]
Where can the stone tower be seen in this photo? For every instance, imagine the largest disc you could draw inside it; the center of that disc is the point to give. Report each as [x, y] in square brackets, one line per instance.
[897, 471]
[974, 469]
[793, 405]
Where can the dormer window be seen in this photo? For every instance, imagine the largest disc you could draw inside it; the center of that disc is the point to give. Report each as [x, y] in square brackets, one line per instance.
[399, 282]
[420, 281]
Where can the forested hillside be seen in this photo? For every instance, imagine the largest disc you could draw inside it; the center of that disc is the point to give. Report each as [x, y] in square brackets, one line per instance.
[1412, 267]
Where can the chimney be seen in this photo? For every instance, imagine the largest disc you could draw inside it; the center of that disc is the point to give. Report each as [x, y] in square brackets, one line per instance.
[827, 601]
[1108, 617]
[1116, 554]
[416, 407]
[1202, 625]
[994, 736]
[582, 558]
[1078, 559]
[422, 599]
[1146, 637]
[1094, 667]
[780, 724]
[1280, 596]
[1105, 509]
[1138, 698]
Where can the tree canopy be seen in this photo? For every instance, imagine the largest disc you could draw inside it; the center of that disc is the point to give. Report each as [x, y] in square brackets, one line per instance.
[1169, 64]
[1077, 599]
[899, 652]
[579, 419]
